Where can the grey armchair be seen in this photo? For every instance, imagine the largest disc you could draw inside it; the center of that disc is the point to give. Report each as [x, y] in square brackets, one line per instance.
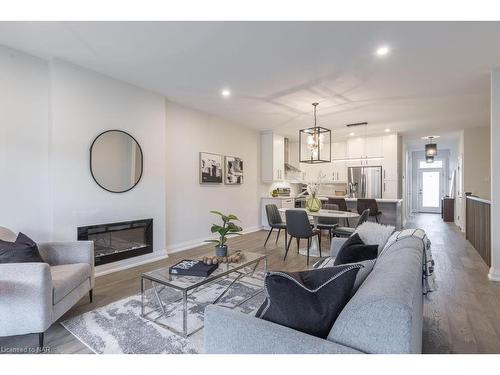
[34, 295]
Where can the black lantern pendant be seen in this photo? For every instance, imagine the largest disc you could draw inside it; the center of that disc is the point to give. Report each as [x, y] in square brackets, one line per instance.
[315, 144]
[431, 149]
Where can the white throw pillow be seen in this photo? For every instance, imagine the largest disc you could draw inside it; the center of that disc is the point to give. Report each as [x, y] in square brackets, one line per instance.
[374, 233]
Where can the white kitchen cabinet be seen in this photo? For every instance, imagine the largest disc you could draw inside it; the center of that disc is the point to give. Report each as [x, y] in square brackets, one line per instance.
[279, 202]
[272, 149]
[374, 147]
[339, 150]
[356, 148]
[390, 154]
[389, 189]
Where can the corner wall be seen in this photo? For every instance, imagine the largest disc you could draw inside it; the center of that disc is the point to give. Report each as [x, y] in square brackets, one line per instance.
[51, 112]
[188, 202]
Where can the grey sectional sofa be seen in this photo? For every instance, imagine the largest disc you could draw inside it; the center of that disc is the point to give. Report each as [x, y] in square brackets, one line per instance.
[34, 295]
[384, 316]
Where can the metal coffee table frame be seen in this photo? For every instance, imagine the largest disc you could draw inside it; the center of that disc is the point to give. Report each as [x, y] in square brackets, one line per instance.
[158, 285]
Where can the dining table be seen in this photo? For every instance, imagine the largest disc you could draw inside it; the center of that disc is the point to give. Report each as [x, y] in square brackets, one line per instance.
[315, 216]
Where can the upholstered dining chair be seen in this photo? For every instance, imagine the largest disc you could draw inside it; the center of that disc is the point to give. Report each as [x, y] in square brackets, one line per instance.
[371, 204]
[35, 295]
[299, 227]
[342, 206]
[347, 231]
[328, 223]
[275, 222]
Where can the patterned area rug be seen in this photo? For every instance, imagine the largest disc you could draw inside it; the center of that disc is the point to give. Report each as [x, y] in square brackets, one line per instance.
[118, 328]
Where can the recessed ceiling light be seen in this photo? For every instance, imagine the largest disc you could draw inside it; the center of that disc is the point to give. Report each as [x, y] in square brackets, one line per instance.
[226, 93]
[352, 134]
[387, 130]
[382, 51]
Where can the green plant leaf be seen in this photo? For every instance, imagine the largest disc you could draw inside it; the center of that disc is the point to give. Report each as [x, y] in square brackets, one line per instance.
[215, 228]
[234, 228]
[232, 217]
[217, 213]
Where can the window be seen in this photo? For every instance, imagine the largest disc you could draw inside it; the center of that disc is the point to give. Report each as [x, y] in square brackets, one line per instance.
[436, 164]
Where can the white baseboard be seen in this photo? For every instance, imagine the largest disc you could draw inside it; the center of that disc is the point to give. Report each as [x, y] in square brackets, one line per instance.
[198, 242]
[121, 265]
[494, 275]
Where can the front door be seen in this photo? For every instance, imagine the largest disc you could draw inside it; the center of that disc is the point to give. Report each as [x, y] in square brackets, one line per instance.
[430, 189]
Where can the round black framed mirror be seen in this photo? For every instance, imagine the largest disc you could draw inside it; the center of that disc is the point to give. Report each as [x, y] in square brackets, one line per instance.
[116, 161]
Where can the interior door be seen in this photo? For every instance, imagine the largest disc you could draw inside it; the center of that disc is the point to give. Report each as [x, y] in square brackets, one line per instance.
[430, 189]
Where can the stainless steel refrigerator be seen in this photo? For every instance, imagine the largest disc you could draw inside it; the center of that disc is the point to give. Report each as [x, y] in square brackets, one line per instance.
[365, 182]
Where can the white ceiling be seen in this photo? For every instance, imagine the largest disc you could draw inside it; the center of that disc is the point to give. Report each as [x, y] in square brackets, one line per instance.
[435, 80]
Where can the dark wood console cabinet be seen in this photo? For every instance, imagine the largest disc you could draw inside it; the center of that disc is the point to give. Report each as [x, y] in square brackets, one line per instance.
[448, 209]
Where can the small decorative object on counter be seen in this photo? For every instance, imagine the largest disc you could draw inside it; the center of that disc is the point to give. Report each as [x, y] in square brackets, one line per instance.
[313, 204]
[228, 228]
[233, 258]
[274, 193]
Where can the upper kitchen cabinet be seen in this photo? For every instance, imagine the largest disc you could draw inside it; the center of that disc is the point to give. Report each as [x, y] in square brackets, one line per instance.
[356, 148]
[364, 148]
[391, 157]
[272, 157]
[339, 150]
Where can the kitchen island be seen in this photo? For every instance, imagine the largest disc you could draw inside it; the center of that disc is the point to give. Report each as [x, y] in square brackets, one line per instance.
[391, 209]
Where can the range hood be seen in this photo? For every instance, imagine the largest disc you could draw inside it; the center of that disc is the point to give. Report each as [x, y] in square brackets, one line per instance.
[288, 166]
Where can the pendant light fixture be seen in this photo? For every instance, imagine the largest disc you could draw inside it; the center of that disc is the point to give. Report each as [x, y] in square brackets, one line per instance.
[315, 144]
[429, 159]
[431, 148]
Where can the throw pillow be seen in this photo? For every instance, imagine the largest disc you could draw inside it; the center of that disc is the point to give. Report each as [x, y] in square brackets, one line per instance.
[374, 233]
[23, 250]
[354, 250]
[308, 301]
[360, 277]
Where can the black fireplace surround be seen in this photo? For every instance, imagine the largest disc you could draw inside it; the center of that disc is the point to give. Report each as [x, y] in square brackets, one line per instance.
[117, 241]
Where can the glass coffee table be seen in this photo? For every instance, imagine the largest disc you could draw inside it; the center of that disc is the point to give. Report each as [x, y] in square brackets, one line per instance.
[156, 307]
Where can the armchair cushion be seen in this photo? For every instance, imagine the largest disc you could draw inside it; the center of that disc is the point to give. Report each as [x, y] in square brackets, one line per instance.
[23, 250]
[67, 277]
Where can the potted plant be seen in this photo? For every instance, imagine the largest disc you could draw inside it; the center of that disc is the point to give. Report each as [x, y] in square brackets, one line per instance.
[228, 228]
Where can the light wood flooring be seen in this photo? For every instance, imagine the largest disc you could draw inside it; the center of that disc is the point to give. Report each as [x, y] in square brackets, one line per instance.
[462, 316]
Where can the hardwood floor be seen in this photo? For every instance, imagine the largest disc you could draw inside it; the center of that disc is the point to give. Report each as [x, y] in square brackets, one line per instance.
[462, 316]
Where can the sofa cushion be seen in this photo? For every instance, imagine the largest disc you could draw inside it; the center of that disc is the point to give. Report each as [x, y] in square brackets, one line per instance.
[23, 250]
[354, 250]
[308, 301]
[66, 278]
[385, 315]
[374, 233]
[360, 277]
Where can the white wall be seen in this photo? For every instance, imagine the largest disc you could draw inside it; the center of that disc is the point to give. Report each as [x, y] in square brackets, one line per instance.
[494, 273]
[477, 161]
[24, 144]
[188, 132]
[84, 104]
[50, 114]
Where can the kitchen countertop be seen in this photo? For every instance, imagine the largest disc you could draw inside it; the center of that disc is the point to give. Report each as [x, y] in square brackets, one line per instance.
[379, 200]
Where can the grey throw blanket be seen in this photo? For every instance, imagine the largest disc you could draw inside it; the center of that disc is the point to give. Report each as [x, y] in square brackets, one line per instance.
[428, 277]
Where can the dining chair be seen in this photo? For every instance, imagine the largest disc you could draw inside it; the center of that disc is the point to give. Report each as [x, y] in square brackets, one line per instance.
[342, 204]
[328, 223]
[298, 227]
[371, 204]
[275, 222]
[347, 231]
